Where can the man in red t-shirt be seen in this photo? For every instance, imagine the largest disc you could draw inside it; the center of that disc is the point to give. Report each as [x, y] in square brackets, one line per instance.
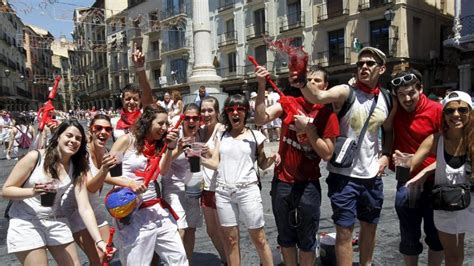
[416, 118]
[306, 137]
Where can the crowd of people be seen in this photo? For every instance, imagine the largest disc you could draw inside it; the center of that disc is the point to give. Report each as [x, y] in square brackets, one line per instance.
[359, 129]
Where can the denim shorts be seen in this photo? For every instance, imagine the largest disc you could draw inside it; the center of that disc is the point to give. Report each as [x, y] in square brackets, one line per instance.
[353, 198]
[296, 208]
[411, 219]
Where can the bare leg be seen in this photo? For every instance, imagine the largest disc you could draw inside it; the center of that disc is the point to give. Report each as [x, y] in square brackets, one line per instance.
[261, 244]
[290, 257]
[410, 260]
[343, 246]
[188, 240]
[435, 258]
[87, 244]
[232, 245]
[34, 257]
[453, 248]
[307, 258]
[214, 230]
[366, 242]
[65, 254]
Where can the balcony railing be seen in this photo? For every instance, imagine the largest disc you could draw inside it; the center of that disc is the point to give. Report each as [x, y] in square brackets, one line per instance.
[181, 10]
[467, 23]
[324, 14]
[386, 45]
[176, 78]
[334, 57]
[250, 69]
[234, 72]
[23, 93]
[114, 68]
[291, 21]
[153, 26]
[153, 55]
[135, 33]
[225, 4]
[227, 38]
[256, 30]
[174, 45]
[368, 4]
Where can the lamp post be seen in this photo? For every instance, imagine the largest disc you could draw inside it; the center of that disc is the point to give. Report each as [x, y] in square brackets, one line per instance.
[389, 15]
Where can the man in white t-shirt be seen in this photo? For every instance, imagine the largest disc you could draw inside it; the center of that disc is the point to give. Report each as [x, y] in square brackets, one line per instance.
[5, 125]
[167, 103]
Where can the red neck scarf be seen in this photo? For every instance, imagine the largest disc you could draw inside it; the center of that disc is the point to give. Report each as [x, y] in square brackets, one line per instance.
[127, 119]
[149, 149]
[375, 91]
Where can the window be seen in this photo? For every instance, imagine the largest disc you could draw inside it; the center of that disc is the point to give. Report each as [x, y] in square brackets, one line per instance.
[336, 46]
[379, 35]
[229, 25]
[259, 21]
[157, 73]
[178, 69]
[334, 8]
[155, 46]
[261, 54]
[294, 12]
[296, 42]
[232, 61]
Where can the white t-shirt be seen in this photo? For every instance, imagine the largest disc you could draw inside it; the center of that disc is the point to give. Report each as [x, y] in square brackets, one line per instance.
[237, 158]
[366, 164]
[4, 122]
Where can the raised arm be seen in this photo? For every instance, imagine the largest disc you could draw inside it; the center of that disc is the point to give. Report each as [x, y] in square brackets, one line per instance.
[263, 115]
[139, 62]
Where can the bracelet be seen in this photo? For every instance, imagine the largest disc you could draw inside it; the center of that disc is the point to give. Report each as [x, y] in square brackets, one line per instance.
[138, 69]
[98, 242]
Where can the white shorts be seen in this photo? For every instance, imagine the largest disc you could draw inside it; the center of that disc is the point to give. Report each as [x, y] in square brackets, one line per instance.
[25, 235]
[188, 209]
[246, 202]
[276, 123]
[151, 230]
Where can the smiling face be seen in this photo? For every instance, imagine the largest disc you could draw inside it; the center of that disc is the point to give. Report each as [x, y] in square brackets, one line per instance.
[131, 101]
[208, 113]
[369, 69]
[100, 131]
[191, 122]
[456, 114]
[236, 115]
[158, 127]
[69, 141]
[408, 97]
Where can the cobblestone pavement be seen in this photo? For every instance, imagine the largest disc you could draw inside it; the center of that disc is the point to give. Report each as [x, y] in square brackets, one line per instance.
[388, 236]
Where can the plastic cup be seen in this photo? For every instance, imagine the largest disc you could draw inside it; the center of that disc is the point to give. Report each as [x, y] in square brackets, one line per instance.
[402, 166]
[194, 156]
[51, 188]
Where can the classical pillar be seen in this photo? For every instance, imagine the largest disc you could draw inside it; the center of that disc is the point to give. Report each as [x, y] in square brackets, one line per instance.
[203, 72]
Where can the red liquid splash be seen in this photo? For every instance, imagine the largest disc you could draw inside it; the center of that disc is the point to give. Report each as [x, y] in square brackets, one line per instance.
[297, 57]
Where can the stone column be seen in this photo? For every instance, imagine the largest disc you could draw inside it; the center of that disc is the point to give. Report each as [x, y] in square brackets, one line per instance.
[203, 72]
[465, 78]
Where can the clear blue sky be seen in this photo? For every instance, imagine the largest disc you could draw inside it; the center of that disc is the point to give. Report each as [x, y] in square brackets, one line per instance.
[56, 17]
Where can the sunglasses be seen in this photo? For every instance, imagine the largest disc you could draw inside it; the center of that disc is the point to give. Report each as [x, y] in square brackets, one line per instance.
[235, 108]
[193, 117]
[368, 63]
[98, 128]
[403, 80]
[460, 110]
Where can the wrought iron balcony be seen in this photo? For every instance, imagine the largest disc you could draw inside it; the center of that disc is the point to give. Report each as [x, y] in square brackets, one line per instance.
[334, 57]
[257, 30]
[250, 69]
[225, 4]
[228, 73]
[467, 23]
[153, 56]
[325, 13]
[173, 11]
[291, 21]
[227, 38]
[368, 4]
[174, 45]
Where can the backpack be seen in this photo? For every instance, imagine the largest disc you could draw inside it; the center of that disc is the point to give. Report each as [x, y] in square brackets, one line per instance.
[24, 142]
[351, 98]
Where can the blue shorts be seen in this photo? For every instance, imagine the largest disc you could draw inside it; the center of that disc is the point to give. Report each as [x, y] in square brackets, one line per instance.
[353, 198]
[296, 208]
[410, 221]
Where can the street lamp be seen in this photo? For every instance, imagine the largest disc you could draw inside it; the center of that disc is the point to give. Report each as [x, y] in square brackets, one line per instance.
[389, 14]
[7, 72]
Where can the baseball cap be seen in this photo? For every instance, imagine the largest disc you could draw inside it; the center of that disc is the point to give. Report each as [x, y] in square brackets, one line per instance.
[369, 49]
[457, 96]
[253, 94]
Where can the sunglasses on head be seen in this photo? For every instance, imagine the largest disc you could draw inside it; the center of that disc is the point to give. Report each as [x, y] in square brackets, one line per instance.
[98, 128]
[193, 117]
[460, 110]
[369, 63]
[235, 108]
[403, 80]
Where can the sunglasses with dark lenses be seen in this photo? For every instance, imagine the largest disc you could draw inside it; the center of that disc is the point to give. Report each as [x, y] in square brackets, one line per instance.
[235, 108]
[461, 110]
[368, 63]
[407, 79]
[193, 117]
[98, 128]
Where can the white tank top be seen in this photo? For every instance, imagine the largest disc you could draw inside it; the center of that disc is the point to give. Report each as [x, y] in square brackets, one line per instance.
[366, 164]
[133, 162]
[210, 176]
[31, 207]
[452, 222]
[178, 174]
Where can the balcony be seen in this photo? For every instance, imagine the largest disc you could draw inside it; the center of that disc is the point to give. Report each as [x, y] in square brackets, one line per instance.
[23, 93]
[177, 79]
[250, 69]
[124, 67]
[387, 45]
[114, 67]
[369, 4]
[171, 46]
[174, 11]
[254, 31]
[229, 73]
[467, 23]
[291, 21]
[135, 34]
[225, 4]
[334, 57]
[153, 27]
[325, 12]
[153, 56]
[227, 38]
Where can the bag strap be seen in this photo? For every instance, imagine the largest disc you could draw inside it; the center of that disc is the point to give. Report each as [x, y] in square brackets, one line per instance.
[10, 202]
[347, 103]
[366, 124]
[256, 152]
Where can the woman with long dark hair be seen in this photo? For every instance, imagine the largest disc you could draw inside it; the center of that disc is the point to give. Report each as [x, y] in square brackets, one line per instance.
[237, 192]
[152, 227]
[36, 221]
[100, 162]
[452, 148]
